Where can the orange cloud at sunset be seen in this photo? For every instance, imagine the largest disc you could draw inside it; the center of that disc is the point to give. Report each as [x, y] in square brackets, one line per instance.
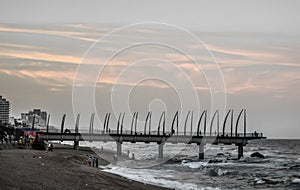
[41, 56]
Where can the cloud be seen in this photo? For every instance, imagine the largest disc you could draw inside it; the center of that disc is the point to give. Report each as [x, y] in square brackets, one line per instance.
[232, 60]
[44, 77]
[62, 33]
[41, 56]
[274, 57]
[18, 46]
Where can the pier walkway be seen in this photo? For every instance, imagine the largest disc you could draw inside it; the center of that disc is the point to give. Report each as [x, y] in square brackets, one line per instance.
[160, 136]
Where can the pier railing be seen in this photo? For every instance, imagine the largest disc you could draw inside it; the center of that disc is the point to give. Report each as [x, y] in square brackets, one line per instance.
[155, 133]
[202, 133]
[159, 133]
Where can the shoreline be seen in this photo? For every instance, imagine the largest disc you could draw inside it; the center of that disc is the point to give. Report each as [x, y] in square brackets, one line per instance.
[63, 168]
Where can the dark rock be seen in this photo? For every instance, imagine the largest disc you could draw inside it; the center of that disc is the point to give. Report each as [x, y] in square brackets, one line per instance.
[272, 182]
[295, 167]
[212, 173]
[214, 161]
[257, 155]
[174, 160]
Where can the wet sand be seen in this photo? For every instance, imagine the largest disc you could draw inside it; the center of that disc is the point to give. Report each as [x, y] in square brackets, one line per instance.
[60, 169]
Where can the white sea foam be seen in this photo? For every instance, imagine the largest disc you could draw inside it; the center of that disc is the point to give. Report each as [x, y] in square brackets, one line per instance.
[155, 177]
[195, 165]
[176, 178]
[260, 181]
[201, 164]
[222, 172]
[296, 180]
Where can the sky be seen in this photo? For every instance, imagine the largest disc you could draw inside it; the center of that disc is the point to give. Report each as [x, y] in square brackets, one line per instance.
[77, 57]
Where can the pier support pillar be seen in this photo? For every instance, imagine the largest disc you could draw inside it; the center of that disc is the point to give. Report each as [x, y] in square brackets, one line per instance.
[240, 151]
[76, 145]
[119, 148]
[160, 150]
[201, 151]
[76, 142]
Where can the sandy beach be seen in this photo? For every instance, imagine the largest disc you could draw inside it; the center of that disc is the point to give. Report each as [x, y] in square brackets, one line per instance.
[60, 169]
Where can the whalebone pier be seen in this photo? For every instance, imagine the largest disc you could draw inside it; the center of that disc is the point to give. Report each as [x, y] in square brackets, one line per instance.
[161, 136]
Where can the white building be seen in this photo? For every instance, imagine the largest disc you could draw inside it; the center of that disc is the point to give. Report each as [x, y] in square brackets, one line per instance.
[4, 110]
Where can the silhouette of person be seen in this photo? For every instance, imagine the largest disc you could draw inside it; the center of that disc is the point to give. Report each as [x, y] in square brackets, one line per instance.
[96, 161]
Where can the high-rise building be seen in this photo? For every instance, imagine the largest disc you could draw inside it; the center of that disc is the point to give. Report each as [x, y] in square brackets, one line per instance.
[4, 110]
[40, 118]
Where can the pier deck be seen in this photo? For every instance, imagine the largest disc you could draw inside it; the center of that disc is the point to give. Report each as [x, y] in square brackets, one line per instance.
[161, 136]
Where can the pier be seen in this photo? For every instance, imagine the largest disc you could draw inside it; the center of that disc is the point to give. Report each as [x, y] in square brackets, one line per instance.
[161, 136]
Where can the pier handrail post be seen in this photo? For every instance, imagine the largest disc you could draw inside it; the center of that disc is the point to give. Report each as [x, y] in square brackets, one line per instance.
[212, 121]
[76, 140]
[199, 123]
[224, 123]
[62, 127]
[218, 122]
[132, 121]
[146, 122]
[164, 122]
[231, 125]
[150, 123]
[185, 122]
[172, 127]
[122, 123]
[245, 121]
[48, 120]
[237, 122]
[77, 123]
[136, 120]
[104, 124]
[118, 124]
[205, 118]
[91, 129]
[192, 118]
[107, 123]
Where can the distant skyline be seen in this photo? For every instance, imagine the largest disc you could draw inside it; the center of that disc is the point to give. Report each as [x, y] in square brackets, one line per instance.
[256, 45]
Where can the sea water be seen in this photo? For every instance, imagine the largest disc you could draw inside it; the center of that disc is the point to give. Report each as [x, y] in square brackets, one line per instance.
[280, 169]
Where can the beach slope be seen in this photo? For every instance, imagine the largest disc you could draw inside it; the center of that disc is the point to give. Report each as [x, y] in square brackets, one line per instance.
[61, 169]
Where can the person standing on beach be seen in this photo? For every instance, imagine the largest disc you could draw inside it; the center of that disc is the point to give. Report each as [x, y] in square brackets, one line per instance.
[50, 147]
[96, 162]
[90, 161]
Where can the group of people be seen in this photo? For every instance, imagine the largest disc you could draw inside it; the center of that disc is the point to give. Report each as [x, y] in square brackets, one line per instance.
[5, 137]
[25, 142]
[93, 161]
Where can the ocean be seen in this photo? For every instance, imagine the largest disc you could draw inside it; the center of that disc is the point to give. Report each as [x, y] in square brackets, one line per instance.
[180, 169]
